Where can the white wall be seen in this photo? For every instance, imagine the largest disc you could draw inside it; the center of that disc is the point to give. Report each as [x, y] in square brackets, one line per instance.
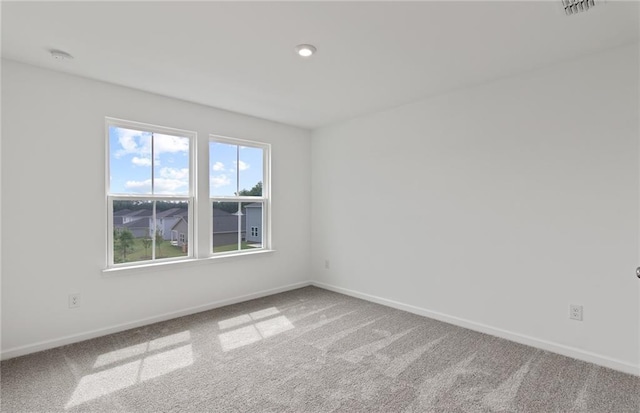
[496, 206]
[54, 210]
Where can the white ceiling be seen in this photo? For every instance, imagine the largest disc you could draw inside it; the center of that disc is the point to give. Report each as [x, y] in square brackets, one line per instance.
[371, 55]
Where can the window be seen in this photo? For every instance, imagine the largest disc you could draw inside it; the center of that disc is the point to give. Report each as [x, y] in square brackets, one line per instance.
[150, 192]
[152, 196]
[239, 194]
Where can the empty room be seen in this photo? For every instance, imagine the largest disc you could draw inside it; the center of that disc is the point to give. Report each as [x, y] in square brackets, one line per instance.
[425, 206]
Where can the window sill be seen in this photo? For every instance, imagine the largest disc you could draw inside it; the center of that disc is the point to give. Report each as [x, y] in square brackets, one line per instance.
[172, 265]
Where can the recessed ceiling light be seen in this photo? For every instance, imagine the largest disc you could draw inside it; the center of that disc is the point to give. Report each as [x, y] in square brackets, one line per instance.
[305, 50]
[60, 55]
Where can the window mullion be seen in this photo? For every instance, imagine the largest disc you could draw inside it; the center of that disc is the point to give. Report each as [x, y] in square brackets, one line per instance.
[239, 226]
[152, 232]
[237, 170]
[153, 166]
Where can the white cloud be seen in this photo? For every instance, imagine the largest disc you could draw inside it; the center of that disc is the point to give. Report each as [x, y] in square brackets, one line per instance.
[133, 142]
[139, 186]
[175, 173]
[219, 180]
[170, 186]
[139, 143]
[243, 165]
[169, 144]
[141, 161]
[170, 181]
[218, 166]
[162, 186]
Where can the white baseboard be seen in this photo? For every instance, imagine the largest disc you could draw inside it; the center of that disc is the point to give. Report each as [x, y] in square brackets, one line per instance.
[74, 338]
[483, 328]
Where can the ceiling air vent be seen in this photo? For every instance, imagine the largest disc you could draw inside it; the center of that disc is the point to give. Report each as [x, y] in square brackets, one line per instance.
[576, 6]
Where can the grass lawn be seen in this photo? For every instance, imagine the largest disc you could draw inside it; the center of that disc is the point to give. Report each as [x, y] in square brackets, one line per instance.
[231, 247]
[139, 253]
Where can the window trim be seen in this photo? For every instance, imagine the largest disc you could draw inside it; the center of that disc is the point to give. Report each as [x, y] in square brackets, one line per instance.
[187, 263]
[191, 197]
[265, 199]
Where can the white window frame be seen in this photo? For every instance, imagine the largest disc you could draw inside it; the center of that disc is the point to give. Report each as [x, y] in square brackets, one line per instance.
[191, 197]
[265, 199]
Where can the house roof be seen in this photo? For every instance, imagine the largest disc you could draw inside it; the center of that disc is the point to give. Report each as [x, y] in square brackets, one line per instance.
[138, 223]
[172, 212]
[223, 221]
[138, 213]
[220, 212]
[179, 221]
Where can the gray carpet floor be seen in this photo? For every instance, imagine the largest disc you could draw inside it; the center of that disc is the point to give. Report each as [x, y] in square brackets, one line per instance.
[308, 350]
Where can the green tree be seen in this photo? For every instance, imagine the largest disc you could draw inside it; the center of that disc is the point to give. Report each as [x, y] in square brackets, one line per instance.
[146, 242]
[125, 242]
[255, 191]
[232, 207]
[119, 205]
[116, 245]
[159, 240]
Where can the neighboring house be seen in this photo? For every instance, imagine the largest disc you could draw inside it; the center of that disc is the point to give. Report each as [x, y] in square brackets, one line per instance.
[139, 228]
[136, 221]
[165, 220]
[174, 224]
[253, 214]
[119, 215]
[180, 231]
[225, 227]
[135, 215]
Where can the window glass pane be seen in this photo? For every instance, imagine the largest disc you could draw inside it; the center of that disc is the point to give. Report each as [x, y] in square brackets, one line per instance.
[172, 229]
[129, 161]
[171, 165]
[228, 226]
[250, 167]
[134, 238]
[253, 220]
[223, 178]
[132, 231]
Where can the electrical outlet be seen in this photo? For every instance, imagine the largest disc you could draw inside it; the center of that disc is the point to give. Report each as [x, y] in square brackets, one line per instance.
[74, 300]
[327, 264]
[575, 312]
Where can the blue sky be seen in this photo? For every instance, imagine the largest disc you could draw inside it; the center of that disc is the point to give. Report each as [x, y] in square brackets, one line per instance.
[130, 164]
[224, 166]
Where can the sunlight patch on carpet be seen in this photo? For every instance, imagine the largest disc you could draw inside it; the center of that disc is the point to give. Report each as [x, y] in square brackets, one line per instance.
[244, 336]
[150, 363]
[139, 349]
